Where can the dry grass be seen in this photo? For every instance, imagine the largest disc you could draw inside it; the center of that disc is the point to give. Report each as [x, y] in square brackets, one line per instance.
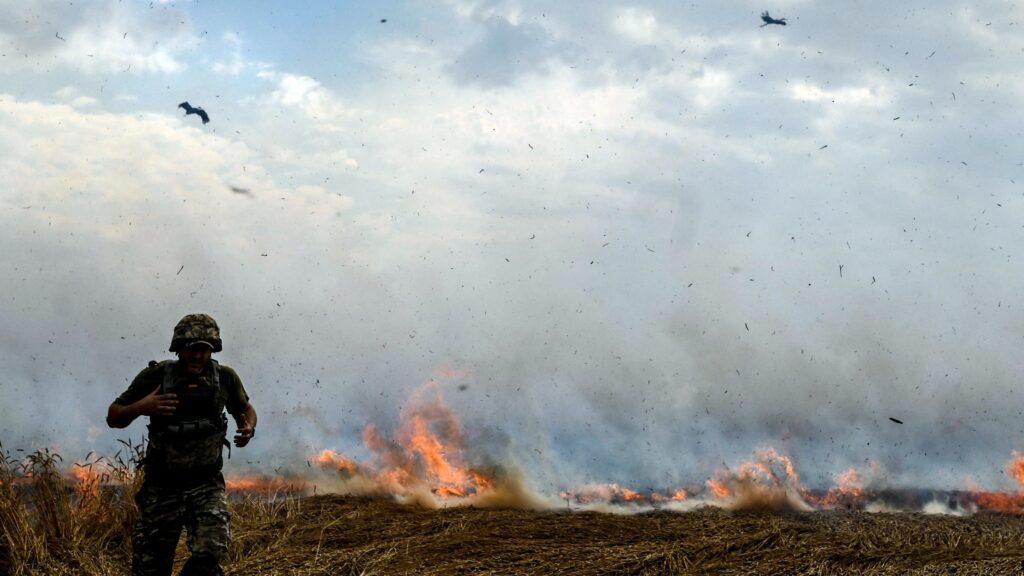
[330, 535]
[48, 528]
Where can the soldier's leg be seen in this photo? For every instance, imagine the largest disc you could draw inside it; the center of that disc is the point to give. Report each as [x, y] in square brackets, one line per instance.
[156, 533]
[208, 529]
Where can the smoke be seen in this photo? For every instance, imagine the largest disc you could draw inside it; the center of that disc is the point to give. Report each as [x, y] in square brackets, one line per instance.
[603, 293]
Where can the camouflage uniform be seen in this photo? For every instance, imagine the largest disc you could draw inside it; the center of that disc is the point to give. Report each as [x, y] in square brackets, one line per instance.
[183, 486]
[164, 509]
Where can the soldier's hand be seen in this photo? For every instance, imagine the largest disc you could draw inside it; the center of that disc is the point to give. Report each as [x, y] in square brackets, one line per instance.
[243, 435]
[157, 404]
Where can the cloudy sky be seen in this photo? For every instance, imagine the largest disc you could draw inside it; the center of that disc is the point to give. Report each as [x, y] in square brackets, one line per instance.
[629, 241]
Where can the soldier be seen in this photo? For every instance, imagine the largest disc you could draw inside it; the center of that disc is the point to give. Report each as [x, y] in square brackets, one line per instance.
[182, 482]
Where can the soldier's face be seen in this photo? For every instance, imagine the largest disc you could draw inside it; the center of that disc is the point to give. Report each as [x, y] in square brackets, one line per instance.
[195, 359]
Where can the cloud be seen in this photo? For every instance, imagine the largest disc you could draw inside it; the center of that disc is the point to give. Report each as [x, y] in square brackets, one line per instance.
[93, 37]
[71, 95]
[235, 64]
[486, 9]
[639, 26]
[504, 52]
[853, 96]
[308, 96]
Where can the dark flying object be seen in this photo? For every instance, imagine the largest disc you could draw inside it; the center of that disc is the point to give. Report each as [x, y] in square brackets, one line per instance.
[769, 20]
[199, 111]
[895, 420]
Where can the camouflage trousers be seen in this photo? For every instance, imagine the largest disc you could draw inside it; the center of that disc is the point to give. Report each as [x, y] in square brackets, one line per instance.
[164, 509]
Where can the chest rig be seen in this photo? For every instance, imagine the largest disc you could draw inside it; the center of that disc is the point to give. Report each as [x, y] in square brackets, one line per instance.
[190, 441]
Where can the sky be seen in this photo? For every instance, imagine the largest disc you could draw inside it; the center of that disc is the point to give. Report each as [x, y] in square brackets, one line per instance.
[628, 242]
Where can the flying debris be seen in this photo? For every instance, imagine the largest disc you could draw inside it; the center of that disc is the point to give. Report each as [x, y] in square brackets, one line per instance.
[896, 421]
[199, 111]
[238, 190]
[769, 20]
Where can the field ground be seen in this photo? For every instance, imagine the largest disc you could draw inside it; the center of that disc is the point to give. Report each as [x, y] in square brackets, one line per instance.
[336, 535]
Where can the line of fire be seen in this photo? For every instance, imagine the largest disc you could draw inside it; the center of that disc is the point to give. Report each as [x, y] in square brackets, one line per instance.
[423, 462]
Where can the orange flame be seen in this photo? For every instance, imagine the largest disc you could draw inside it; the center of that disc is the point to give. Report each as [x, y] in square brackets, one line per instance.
[329, 459]
[87, 479]
[719, 488]
[1016, 468]
[426, 451]
[614, 493]
[1009, 503]
[848, 493]
[264, 485]
[770, 482]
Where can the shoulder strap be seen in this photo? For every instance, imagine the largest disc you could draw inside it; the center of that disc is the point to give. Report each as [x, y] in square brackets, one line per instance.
[216, 373]
[168, 383]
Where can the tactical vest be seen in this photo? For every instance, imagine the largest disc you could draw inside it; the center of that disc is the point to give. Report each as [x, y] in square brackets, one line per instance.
[189, 442]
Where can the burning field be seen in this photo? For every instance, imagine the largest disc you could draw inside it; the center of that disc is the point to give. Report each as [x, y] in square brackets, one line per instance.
[422, 503]
[425, 462]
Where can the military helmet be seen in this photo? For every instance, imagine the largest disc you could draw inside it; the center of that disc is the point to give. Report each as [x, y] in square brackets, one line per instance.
[193, 328]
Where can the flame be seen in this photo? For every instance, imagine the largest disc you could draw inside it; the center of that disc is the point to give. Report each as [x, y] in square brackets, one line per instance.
[614, 493]
[591, 493]
[426, 452]
[425, 461]
[999, 502]
[265, 485]
[329, 459]
[1015, 468]
[769, 482]
[1010, 503]
[87, 479]
[718, 488]
[848, 493]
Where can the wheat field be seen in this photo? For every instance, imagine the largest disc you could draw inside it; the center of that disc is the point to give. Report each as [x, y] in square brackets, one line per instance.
[53, 527]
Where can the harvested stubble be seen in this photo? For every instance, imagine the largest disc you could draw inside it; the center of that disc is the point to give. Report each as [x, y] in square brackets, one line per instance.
[339, 535]
[334, 535]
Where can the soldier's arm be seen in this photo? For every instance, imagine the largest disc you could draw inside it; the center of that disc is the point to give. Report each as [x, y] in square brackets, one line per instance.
[155, 404]
[246, 423]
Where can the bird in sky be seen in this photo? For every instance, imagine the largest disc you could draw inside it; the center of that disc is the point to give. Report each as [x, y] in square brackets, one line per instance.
[769, 20]
[198, 111]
